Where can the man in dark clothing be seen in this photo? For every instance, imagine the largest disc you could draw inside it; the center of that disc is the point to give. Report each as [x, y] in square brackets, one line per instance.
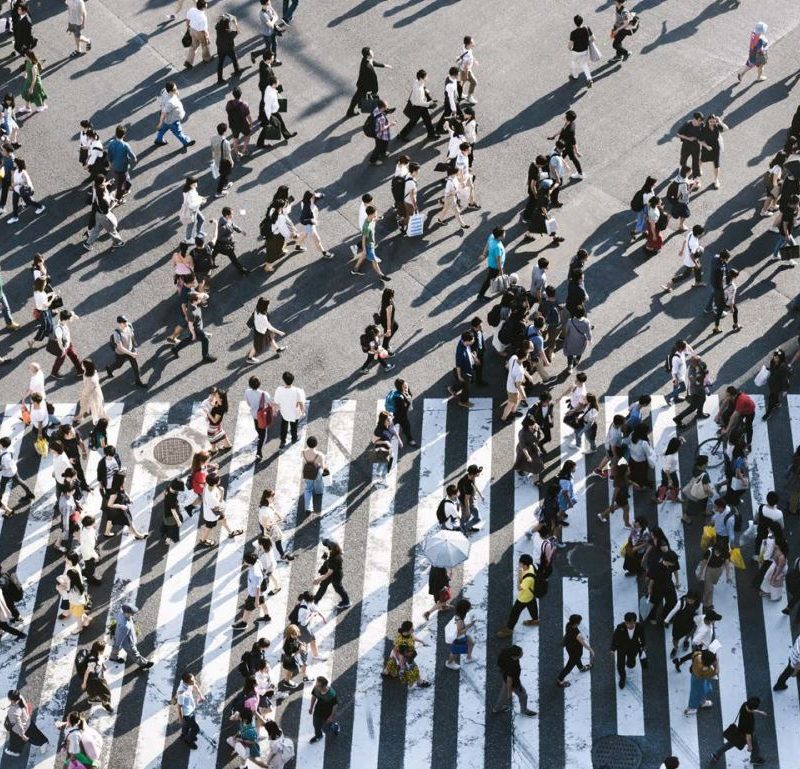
[661, 571]
[476, 326]
[265, 75]
[224, 243]
[689, 134]
[22, 29]
[696, 373]
[510, 670]
[627, 643]
[324, 704]
[464, 369]
[367, 80]
[227, 28]
[195, 318]
[745, 722]
[125, 345]
[717, 275]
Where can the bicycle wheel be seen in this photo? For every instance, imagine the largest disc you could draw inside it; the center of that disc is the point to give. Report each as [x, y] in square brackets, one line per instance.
[712, 448]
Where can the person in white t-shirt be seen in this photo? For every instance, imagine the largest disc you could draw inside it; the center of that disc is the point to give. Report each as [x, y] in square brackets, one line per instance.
[291, 403]
[452, 190]
[197, 27]
[255, 398]
[691, 251]
[515, 382]
[410, 194]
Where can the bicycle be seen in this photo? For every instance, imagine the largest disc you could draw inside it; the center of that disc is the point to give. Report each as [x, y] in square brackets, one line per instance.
[714, 449]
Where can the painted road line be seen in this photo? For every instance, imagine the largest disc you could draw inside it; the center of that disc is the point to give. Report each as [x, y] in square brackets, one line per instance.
[339, 455]
[225, 593]
[419, 720]
[578, 697]
[577, 530]
[374, 606]
[472, 683]
[14, 428]
[61, 661]
[625, 598]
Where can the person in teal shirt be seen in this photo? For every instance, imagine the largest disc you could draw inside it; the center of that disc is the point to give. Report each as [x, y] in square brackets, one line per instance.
[495, 253]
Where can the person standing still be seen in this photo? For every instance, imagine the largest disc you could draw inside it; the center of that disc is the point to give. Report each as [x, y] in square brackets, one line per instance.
[197, 27]
[579, 40]
[257, 399]
[511, 671]
[690, 134]
[291, 403]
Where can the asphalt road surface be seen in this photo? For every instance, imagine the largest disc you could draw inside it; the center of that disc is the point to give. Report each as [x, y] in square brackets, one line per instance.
[684, 59]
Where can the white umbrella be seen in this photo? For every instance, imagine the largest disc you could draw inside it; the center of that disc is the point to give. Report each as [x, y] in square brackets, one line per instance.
[446, 548]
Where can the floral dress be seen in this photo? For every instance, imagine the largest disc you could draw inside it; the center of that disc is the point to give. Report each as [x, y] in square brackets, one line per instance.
[401, 664]
[33, 89]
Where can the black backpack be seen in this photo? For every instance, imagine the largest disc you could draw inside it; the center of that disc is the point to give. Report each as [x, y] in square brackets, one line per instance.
[398, 189]
[101, 163]
[737, 520]
[112, 341]
[245, 667]
[203, 261]
[637, 201]
[265, 227]
[364, 340]
[294, 614]
[440, 516]
[495, 316]
[12, 587]
[82, 662]
[369, 127]
[672, 192]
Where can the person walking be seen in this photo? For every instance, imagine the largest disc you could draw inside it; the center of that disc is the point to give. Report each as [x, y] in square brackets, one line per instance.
[367, 82]
[418, 107]
[756, 54]
[197, 27]
[314, 468]
[255, 603]
[268, 28]
[9, 474]
[579, 40]
[264, 333]
[691, 252]
[196, 330]
[398, 403]
[91, 402]
[628, 643]
[323, 707]
[33, 88]
[291, 403]
[526, 598]
[190, 215]
[625, 24]
[21, 725]
[124, 343]
[224, 243]
[309, 218]
[466, 63]
[63, 339]
[382, 132]
[696, 373]
[272, 113]
[22, 187]
[368, 246]
[226, 29]
[171, 113]
[691, 136]
[94, 681]
[222, 159]
[126, 638]
[187, 696]
[744, 735]
[22, 28]
[331, 574]
[464, 370]
[240, 122]
[705, 666]
[104, 218]
[566, 136]
[511, 671]
[76, 22]
[778, 381]
[574, 643]
[495, 254]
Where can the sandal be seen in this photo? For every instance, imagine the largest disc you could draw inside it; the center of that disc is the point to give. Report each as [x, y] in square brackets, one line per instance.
[236, 533]
[8, 514]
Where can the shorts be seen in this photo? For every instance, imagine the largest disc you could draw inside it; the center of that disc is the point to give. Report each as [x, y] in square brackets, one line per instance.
[680, 211]
[75, 29]
[459, 646]
[370, 253]
[237, 132]
[306, 636]
[212, 524]
[310, 229]
[250, 603]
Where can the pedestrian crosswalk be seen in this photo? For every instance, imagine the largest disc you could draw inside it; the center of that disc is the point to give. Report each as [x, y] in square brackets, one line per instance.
[189, 599]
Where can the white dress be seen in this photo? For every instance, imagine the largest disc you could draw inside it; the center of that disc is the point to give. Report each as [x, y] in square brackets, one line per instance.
[92, 400]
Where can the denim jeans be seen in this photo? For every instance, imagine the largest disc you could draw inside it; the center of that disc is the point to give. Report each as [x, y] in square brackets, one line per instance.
[322, 726]
[780, 242]
[311, 487]
[289, 7]
[176, 129]
[5, 309]
[195, 228]
[676, 391]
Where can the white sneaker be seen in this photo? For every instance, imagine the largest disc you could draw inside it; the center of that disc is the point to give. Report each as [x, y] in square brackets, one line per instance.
[469, 660]
[320, 658]
[452, 666]
[354, 251]
[471, 100]
[12, 220]
[42, 108]
[39, 210]
[576, 176]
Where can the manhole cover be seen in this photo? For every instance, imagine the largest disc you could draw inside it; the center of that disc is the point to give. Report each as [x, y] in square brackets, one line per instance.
[615, 752]
[172, 452]
[589, 560]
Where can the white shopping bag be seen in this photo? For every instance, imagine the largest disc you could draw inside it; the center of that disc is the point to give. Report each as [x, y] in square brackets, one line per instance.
[416, 224]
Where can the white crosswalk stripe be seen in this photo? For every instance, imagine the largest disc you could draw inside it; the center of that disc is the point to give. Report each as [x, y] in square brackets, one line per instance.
[527, 744]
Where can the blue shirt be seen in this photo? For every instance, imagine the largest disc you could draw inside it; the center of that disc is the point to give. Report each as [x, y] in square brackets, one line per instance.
[463, 359]
[535, 337]
[185, 699]
[120, 155]
[495, 253]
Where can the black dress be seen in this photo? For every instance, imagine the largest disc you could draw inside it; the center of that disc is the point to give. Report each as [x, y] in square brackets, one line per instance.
[437, 581]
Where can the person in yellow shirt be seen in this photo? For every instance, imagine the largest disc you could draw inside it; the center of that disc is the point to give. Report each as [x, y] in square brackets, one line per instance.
[526, 599]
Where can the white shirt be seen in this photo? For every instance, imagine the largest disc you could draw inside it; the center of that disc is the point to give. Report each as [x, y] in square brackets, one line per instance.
[192, 200]
[255, 576]
[467, 60]
[270, 101]
[95, 151]
[287, 399]
[268, 520]
[770, 513]
[669, 463]
[89, 543]
[36, 385]
[418, 97]
[454, 146]
[8, 465]
[267, 560]
[40, 300]
[60, 464]
[703, 633]
[515, 374]
[212, 498]
[471, 131]
[62, 334]
[679, 366]
[452, 514]
[462, 166]
[198, 21]
[262, 324]
[253, 398]
[283, 226]
[410, 190]
[689, 247]
[577, 398]
[39, 416]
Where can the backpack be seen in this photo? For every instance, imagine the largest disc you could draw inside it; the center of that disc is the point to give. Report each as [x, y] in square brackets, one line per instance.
[369, 127]
[101, 162]
[294, 614]
[388, 403]
[203, 261]
[82, 662]
[495, 316]
[637, 201]
[398, 189]
[672, 192]
[737, 520]
[668, 362]
[265, 227]
[245, 667]
[364, 340]
[440, 515]
[91, 743]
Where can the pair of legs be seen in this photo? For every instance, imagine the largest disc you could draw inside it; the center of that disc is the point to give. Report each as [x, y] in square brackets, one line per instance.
[104, 222]
[121, 360]
[574, 660]
[626, 517]
[336, 584]
[372, 258]
[207, 529]
[70, 353]
[175, 128]
[312, 487]
[381, 151]
[504, 697]
[311, 229]
[580, 63]
[221, 56]
[201, 337]
[199, 40]
[286, 427]
[417, 114]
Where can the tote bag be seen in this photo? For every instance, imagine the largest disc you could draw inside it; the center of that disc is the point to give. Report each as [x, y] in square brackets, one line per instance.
[594, 52]
[416, 225]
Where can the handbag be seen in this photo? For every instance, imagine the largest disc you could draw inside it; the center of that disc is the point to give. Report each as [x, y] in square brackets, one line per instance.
[735, 736]
[271, 131]
[737, 559]
[265, 414]
[283, 104]
[551, 226]
[761, 58]
[594, 52]
[739, 484]
[408, 110]
[186, 40]
[214, 170]
[645, 607]
[416, 225]
[57, 303]
[790, 252]
[54, 348]
[501, 283]
[695, 490]
[41, 446]
[761, 377]
[368, 103]
[24, 415]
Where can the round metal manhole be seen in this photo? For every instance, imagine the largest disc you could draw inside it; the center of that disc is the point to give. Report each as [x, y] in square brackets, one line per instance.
[615, 752]
[589, 560]
[173, 452]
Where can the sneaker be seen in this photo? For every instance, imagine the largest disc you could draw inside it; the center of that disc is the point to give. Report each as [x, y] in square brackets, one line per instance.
[327, 254]
[356, 272]
[343, 605]
[240, 625]
[118, 244]
[354, 251]
[530, 713]
[12, 220]
[452, 665]
[315, 739]
[576, 176]
[385, 278]
[12, 326]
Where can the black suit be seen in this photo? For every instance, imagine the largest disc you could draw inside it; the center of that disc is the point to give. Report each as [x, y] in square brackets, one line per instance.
[627, 648]
[544, 421]
[480, 350]
[22, 29]
[367, 83]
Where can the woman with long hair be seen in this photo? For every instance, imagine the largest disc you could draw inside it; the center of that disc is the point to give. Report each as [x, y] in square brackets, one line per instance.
[91, 401]
[22, 187]
[621, 495]
[118, 507]
[215, 410]
[309, 217]
[264, 333]
[33, 89]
